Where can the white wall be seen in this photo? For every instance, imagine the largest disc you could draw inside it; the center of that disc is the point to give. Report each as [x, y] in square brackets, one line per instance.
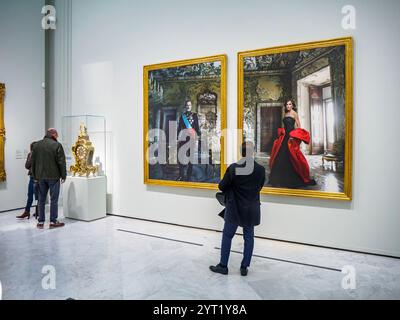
[22, 70]
[122, 36]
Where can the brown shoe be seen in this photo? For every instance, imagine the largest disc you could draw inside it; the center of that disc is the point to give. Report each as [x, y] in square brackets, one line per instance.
[24, 215]
[40, 225]
[56, 224]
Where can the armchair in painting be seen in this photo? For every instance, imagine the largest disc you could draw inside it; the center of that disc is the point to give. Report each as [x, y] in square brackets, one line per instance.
[336, 157]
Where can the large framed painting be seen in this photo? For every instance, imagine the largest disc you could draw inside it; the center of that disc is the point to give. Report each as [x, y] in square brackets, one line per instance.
[2, 132]
[295, 104]
[184, 119]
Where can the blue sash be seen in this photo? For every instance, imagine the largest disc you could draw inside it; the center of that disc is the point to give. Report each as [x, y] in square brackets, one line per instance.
[185, 120]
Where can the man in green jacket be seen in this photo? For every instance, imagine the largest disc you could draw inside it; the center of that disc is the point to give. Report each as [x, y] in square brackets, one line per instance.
[48, 170]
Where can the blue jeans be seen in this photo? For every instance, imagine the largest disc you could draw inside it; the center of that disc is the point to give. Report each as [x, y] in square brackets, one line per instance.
[31, 191]
[228, 234]
[44, 186]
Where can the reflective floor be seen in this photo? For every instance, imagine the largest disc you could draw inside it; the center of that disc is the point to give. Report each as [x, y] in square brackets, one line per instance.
[98, 261]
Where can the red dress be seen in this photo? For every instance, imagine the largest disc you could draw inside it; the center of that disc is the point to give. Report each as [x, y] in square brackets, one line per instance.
[289, 167]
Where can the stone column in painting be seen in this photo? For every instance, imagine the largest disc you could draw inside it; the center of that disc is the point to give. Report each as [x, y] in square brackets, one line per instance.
[337, 64]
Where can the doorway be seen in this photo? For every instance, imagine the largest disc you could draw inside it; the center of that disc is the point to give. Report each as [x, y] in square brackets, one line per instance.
[168, 114]
[269, 119]
[315, 109]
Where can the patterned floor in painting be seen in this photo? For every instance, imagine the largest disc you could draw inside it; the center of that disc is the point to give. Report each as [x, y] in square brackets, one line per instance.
[327, 178]
[206, 173]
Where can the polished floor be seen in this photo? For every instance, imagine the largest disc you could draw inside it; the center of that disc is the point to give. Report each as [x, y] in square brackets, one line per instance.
[121, 258]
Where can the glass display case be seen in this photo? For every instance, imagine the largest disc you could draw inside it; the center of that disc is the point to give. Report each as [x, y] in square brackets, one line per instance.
[93, 127]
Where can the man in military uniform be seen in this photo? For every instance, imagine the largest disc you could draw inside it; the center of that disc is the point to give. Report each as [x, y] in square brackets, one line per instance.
[189, 121]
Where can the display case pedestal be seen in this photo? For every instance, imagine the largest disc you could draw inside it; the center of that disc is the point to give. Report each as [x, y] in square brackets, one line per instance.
[85, 198]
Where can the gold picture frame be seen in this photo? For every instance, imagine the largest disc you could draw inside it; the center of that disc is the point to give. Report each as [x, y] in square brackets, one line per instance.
[212, 84]
[2, 133]
[254, 63]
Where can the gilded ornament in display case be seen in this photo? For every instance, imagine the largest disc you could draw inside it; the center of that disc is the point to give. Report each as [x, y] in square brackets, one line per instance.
[83, 151]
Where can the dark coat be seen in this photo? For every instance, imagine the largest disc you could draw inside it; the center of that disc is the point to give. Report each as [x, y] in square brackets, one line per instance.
[48, 160]
[243, 193]
[28, 163]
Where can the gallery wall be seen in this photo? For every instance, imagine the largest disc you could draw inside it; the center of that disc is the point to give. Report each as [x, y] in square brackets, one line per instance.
[113, 40]
[22, 71]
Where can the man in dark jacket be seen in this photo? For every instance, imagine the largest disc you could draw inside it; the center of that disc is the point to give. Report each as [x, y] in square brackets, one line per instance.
[48, 168]
[241, 184]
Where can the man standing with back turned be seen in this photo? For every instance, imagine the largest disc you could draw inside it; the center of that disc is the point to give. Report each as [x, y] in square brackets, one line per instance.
[48, 168]
[241, 184]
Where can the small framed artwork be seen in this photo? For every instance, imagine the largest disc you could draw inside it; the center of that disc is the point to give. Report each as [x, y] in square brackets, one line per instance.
[184, 120]
[295, 104]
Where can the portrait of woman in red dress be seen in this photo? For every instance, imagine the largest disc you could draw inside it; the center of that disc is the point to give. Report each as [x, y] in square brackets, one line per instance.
[295, 105]
[289, 167]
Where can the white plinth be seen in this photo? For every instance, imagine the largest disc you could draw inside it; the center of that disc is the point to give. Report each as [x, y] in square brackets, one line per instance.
[84, 198]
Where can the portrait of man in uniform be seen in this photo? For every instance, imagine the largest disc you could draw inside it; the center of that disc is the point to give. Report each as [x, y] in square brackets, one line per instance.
[184, 119]
[189, 123]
